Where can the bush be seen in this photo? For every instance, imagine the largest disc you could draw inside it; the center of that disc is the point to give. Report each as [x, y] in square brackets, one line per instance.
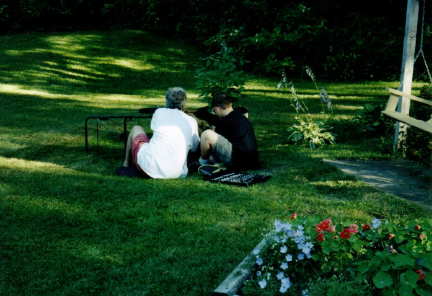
[219, 74]
[380, 258]
[419, 143]
[371, 122]
[313, 133]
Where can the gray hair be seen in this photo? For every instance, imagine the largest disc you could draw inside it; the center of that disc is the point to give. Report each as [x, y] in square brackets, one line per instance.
[175, 98]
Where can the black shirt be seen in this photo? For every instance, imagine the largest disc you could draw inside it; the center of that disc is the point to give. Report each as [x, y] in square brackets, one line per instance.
[237, 129]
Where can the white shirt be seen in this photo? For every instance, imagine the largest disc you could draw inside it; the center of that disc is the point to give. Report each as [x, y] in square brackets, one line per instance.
[174, 134]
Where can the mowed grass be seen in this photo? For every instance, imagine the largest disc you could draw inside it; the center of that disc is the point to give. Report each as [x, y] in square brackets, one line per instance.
[69, 226]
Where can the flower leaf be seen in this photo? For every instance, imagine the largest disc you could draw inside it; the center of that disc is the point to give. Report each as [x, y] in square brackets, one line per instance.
[382, 280]
[428, 279]
[422, 292]
[409, 278]
[426, 261]
[401, 260]
[406, 290]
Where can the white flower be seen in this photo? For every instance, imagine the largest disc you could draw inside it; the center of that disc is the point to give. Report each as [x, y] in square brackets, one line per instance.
[300, 227]
[284, 265]
[280, 275]
[305, 293]
[262, 283]
[300, 256]
[259, 261]
[283, 249]
[285, 285]
[299, 233]
[258, 273]
[376, 223]
[288, 258]
[255, 251]
[280, 226]
[306, 248]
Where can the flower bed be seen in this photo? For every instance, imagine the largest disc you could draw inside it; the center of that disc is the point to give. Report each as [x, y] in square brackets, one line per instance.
[306, 256]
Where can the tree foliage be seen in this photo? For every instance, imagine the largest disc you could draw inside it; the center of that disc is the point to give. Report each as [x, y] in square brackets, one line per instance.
[339, 39]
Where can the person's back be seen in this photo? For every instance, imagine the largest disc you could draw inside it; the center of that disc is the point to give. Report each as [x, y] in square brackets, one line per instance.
[239, 131]
[174, 134]
[233, 141]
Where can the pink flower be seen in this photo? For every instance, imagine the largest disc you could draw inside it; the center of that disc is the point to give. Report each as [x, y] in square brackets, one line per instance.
[353, 228]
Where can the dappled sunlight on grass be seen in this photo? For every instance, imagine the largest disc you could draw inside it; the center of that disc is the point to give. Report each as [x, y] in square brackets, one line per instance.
[133, 64]
[70, 225]
[34, 166]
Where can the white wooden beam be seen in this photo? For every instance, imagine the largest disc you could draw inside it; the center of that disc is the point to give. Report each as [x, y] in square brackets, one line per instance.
[407, 70]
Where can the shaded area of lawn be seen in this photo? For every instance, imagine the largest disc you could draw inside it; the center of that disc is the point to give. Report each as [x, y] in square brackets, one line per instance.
[70, 227]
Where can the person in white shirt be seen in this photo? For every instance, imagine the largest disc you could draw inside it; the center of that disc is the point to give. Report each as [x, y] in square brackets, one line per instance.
[164, 155]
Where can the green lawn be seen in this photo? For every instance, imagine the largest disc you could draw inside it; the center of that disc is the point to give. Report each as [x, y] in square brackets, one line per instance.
[69, 226]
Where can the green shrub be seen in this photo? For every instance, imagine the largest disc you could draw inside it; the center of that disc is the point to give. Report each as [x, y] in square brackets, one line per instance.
[308, 131]
[306, 255]
[220, 74]
[372, 123]
[339, 287]
[419, 143]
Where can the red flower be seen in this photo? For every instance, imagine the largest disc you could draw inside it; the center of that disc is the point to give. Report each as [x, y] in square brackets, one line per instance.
[421, 274]
[320, 237]
[417, 227]
[346, 233]
[324, 225]
[390, 236]
[293, 216]
[366, 227]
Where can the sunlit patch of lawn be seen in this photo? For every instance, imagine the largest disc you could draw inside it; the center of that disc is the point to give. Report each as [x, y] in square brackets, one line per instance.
[69, 226]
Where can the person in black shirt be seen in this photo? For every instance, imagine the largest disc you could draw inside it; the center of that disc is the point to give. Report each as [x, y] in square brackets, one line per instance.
[233, 140]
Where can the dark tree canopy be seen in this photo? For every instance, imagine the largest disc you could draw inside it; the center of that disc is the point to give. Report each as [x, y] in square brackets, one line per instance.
[337, 39]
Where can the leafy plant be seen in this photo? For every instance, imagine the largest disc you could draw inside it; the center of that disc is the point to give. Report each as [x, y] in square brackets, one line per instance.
[381, 258]
[220, 74]
[419, 143]
[310, 132]
[371, 122]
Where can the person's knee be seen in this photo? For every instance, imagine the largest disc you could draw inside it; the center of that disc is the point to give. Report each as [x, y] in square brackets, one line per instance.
[209, 137]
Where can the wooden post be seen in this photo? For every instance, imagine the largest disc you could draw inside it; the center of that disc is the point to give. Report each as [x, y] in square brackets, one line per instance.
[407, 71]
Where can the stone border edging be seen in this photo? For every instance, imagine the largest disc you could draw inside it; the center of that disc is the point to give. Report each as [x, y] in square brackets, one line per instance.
[235, 279]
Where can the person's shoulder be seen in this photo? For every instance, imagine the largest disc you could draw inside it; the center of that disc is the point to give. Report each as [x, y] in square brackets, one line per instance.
[238, 115]
[190, 118]
[161, 110]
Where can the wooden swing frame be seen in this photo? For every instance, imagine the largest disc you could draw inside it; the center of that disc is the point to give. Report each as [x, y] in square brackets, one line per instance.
[391, 110]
